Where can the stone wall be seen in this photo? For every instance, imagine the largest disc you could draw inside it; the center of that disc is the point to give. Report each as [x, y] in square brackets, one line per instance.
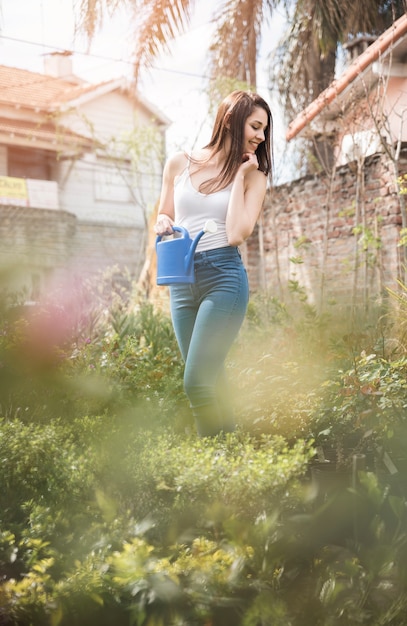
[36, 236]
[98, 246]
[44, 244]
[307, 234]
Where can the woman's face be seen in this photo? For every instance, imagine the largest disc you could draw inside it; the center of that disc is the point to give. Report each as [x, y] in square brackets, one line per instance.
[254, 129]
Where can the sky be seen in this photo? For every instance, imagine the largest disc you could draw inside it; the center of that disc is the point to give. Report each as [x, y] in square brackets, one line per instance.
[29, 29]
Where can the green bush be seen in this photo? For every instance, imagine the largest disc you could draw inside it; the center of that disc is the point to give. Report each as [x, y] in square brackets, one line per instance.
[71, 517]
[111, 511]
[364, 410]
[57, 361]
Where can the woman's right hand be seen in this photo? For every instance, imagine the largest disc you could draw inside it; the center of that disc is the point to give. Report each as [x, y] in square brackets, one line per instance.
[249, 162]
[163, 225]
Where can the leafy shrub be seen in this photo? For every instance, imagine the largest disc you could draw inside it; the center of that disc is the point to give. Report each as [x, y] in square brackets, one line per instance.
[74, 531]
[111, 513]
[57, 361]
[398, 318]
[42, 464]
[194, 484]
[364, 409]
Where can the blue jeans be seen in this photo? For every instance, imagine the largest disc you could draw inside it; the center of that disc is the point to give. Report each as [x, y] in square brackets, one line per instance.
[207, 316]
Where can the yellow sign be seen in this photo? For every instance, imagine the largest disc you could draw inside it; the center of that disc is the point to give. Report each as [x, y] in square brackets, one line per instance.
[13, 189]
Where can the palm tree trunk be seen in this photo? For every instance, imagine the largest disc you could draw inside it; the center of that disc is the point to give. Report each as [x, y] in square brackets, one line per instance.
[320, 73]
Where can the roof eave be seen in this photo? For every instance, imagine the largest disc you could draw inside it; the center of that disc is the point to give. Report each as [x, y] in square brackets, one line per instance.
[99, 90]
[125, 87]
[371, 54]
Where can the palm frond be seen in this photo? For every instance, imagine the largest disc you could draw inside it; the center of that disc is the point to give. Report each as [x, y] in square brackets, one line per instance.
[305, 60]
[233, 51]
[92, 13]
[158, 23]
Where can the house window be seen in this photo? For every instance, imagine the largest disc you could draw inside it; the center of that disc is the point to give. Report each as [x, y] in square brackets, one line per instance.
[112, 181]
[25, 163]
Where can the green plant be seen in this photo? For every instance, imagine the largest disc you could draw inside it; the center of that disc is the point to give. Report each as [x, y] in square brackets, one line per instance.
[364, 409]
[111, 513]
[398, 317]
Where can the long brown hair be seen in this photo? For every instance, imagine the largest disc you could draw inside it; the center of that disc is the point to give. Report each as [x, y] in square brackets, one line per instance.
[230, 122]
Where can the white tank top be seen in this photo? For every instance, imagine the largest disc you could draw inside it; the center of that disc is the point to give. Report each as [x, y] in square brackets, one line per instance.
[192, 208]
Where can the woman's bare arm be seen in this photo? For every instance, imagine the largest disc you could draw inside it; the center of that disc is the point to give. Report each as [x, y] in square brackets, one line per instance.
[173, 168]
[246, 201]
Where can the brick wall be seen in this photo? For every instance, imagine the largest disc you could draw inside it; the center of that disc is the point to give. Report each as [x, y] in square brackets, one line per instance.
[313, 220]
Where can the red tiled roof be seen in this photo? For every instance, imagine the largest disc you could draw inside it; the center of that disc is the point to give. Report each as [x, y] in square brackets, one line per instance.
[38, 91]
[385, 42]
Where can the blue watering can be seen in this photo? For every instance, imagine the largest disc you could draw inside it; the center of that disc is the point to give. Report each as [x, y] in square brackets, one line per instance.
[175, 257]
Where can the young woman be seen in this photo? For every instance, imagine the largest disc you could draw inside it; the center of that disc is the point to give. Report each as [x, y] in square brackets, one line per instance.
[225, 181]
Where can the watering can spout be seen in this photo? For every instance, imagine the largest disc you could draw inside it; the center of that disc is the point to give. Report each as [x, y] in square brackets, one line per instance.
[209, 227]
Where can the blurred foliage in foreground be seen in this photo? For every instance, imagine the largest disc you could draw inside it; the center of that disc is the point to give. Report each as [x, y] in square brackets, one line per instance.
[112, 511]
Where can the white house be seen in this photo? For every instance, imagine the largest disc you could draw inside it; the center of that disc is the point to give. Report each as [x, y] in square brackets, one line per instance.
[91, 152]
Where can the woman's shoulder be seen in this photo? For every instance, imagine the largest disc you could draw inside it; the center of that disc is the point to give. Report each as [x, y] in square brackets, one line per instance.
[258, 178]
[177, 163]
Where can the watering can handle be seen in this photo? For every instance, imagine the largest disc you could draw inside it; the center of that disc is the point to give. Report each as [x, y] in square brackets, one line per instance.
[210, 227]
[178, 229]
